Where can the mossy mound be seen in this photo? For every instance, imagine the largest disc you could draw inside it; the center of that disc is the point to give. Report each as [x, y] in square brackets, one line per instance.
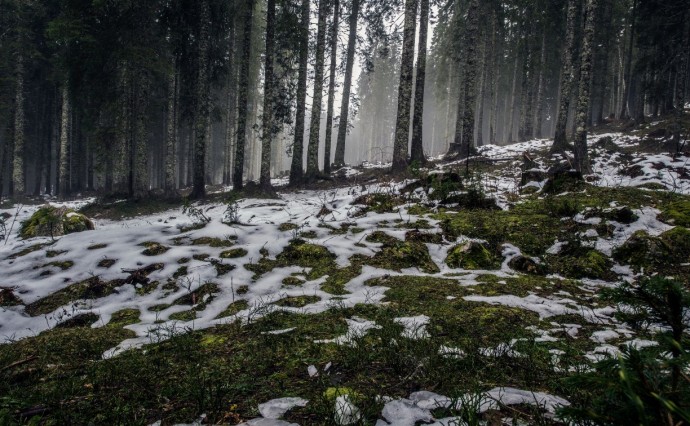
[153, 248]
[234, 253]
[299, 253]
[677, 213]
[397, 255]
[93, 288]
[297, 301]
[527, 266]
[642, 250]
[582, 262]
[471, 256]
[8, 298]
[52, 221]
[379, 203]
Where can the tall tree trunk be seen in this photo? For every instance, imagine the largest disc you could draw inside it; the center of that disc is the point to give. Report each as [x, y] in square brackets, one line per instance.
[510, 117]
[317, 99]
[347, 85]
[331, 88]
[470, 79]
[269, 96]
[581, 156]
[560, 142]
[202, 113]
[682, 83]
[494, 77]
[417, 150]
[297, 166]
[243, 97]
[63, 168]
[18, 174]
[482, 88]
[402, 125]
[171, 130]
[231, 108]
[539, 113]
[625, 109]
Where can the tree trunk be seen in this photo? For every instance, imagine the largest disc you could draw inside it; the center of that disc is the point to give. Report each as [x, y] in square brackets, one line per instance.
[331, 88]
[231, 107]
[317, 99]
[625, 109]
[171, 135]
[63, 168]
[581, 157]
[494, 77]
[243, 97]
[482, 88]
[539, 119]
[297, 167]
[682, 83]
[18, 175]
[202, 113]
[470, 79]
[347, 86]
[402, 126]
[269, 90]
[417, 150]
[560, 143]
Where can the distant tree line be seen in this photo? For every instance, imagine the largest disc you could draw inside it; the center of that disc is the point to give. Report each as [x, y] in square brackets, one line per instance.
[133, 97]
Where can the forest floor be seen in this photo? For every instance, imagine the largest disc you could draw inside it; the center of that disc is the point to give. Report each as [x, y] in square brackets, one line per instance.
[446, 298]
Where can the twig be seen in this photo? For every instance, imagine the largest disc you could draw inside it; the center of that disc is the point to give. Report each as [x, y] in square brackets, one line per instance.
[13, 221]
[18, 363]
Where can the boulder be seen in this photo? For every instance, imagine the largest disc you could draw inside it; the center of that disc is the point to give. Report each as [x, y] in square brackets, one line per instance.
[49, 221]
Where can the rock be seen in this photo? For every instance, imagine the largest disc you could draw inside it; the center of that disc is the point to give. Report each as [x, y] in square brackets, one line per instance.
[472, 255]
[562, 178]
[526, 266]
[623, 215]
[51, 221]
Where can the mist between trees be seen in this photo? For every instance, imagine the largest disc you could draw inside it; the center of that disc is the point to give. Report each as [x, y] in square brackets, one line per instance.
[134, 97]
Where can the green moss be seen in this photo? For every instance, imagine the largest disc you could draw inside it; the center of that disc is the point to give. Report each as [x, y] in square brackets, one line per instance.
[92, 288]
[50, 221]
[181, 272]
[234, 253]
[297, 301]
[286, 227]
[52, 253]
[397, 255]
[183, 316]
[223, 268]
[28, 250]
[153, 248]
[124, 317]
[106, 263]
[8, 298]
[677, 242]
[234, 308]
[144, 289]
[64, 265]
[471, 256]
[197, 296]
[582, 263]
[309, 235]
[292, 281]
[212, 242]
[379, 203]
[97, 246]
[677, 213]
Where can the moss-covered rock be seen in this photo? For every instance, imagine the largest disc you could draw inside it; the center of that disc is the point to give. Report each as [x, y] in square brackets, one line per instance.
[527, 265]
[153, 248]
[642, 250]
[472, 256]
[677, 213]
[52, 221]
[234, 253]
[397, 255]
[677, 243]
[582, 262]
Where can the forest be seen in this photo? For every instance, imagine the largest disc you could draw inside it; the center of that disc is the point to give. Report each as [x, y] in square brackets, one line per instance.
[345, 212]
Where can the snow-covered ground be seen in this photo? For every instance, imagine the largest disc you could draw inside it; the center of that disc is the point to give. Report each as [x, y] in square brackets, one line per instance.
[259, 230]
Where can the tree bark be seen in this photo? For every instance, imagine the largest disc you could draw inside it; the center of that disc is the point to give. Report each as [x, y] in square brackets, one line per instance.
[331, 88]
[243, 97]
[539, 113]
[202, 113]
[560, 143]
[417, 150]
[171, 135]
[682, 83]
[470, 80]
[18, 175]
[269, 96]
[347, 86]
[625, 109]
[581, 156]
[402, 126]
[297, 167]
[317, 99]
[63, 168]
